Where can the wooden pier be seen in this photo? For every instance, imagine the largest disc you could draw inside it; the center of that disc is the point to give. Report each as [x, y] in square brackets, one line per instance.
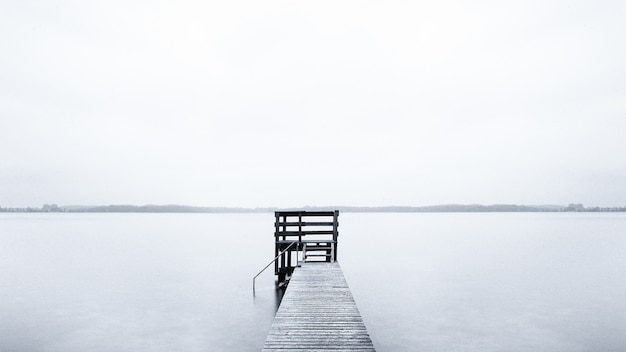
[314, 240]
[317, 312]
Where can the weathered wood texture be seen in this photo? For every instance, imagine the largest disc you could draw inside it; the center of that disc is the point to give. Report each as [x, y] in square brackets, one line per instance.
[318, 313]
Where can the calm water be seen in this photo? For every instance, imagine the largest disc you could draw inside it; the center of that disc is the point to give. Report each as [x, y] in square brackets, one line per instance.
[423, 282]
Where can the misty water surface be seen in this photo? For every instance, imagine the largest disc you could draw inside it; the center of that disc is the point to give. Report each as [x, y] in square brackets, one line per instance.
[423, 282]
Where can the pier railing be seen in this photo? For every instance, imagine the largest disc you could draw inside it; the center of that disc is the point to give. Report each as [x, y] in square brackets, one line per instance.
[268, 265]
[316, 235]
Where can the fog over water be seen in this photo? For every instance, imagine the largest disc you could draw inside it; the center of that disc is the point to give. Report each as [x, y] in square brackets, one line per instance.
[289, 104]
[286, 103]
[423, 282]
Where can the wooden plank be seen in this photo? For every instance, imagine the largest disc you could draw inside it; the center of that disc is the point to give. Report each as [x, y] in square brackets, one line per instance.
[302, 223]
[305, 213]
[305, 232]
[305, 241]
[318, 313]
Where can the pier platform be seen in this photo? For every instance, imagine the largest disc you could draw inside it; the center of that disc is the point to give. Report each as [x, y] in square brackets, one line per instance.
[318, 313]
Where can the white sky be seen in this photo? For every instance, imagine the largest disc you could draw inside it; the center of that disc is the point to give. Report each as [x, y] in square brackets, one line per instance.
[292, 103]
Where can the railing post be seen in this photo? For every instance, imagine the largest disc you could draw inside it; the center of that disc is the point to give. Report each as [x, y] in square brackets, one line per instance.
[282, 259]
[335, 232]
[276, 238]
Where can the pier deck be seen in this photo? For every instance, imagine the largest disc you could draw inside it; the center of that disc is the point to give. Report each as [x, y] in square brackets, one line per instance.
[318, 313]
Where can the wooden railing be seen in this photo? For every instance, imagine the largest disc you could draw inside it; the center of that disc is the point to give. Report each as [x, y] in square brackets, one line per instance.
[267, 266]
[316, 240]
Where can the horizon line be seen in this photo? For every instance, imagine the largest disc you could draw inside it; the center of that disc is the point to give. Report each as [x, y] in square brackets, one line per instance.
[180, 208]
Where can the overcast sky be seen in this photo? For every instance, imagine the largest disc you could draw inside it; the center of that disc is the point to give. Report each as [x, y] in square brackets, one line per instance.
[292, 103]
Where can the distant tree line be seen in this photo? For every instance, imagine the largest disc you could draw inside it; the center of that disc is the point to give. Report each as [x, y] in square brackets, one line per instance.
[448, 208]
[46, 208]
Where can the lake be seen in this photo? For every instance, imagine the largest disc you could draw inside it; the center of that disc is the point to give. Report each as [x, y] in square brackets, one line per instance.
[422, 281]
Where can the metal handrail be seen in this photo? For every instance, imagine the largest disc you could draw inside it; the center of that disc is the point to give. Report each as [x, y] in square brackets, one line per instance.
[270, 263]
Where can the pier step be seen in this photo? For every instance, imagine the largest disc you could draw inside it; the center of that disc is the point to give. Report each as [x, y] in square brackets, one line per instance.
[318, 252]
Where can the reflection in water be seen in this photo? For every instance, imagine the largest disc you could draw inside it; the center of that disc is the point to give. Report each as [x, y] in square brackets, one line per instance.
[278, 296]
[280, 292]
